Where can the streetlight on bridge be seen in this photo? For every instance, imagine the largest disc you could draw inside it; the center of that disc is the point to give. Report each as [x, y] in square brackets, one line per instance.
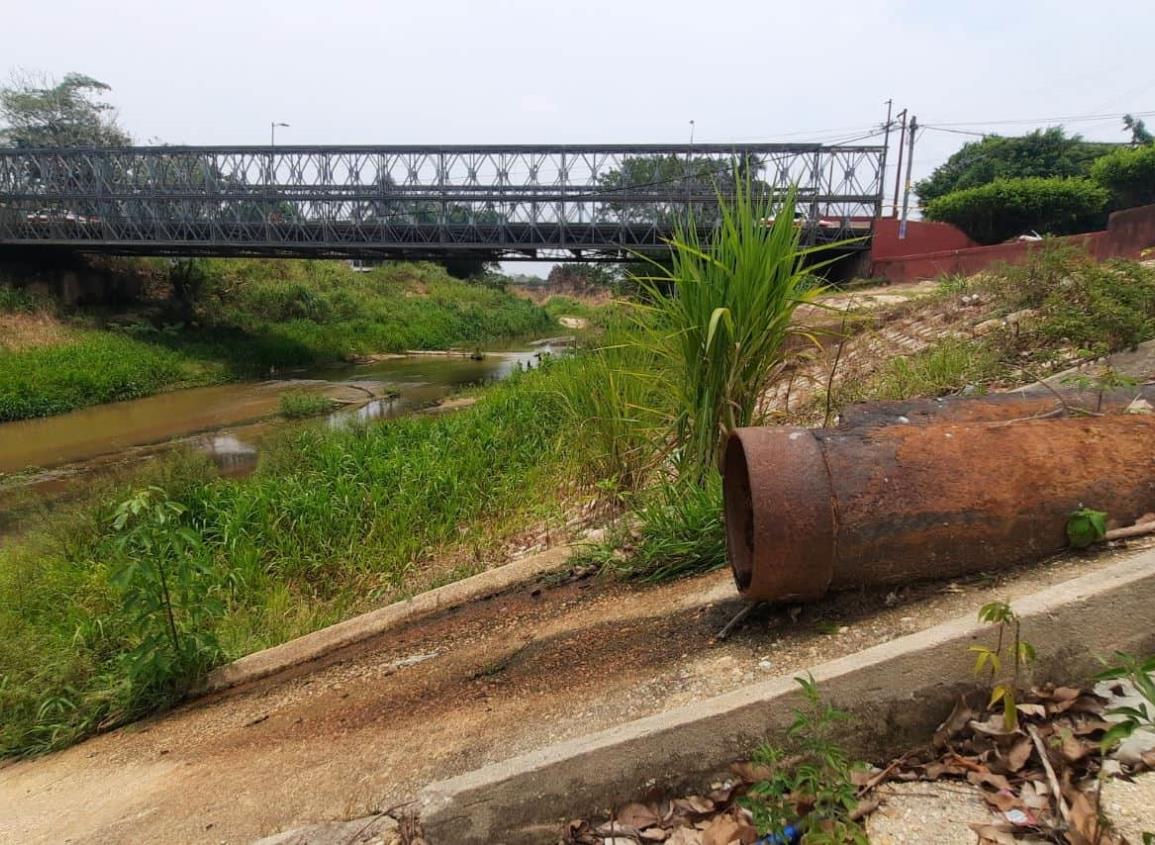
[273, 132]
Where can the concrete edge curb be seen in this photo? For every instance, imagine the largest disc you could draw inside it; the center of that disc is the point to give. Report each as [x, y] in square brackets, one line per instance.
[901, 689]
[321, 643]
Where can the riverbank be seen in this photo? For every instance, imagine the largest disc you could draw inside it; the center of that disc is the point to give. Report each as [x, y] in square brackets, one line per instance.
[246, 319]
[332, 522]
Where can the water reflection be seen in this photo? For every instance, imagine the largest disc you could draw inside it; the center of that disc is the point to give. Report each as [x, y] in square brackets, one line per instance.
[231, 455]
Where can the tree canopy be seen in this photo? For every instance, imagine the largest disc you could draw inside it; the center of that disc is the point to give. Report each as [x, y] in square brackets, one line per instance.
[1139, 133]
[1129, 174]
[1042, 153]
[40, 111]
[662, 179]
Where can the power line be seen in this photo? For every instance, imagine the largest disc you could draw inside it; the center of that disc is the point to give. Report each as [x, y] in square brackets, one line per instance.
[1075, 118]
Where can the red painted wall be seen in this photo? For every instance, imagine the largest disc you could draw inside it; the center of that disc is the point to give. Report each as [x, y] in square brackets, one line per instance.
[921, 236]
[1128, 234]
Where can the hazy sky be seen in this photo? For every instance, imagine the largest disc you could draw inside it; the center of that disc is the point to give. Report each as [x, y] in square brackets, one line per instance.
[454, 71]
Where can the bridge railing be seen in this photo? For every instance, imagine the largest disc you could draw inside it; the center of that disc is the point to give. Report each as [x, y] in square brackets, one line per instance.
[510, 201]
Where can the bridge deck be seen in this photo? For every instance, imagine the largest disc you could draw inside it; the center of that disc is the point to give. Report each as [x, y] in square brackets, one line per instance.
[591, 202]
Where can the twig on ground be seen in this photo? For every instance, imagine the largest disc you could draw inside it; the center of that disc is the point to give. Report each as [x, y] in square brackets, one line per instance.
[1137, 530]
[834, 367]
[875, 780]
[738, 617]
[1054, 781]
[1057, 412]
[1062, 399]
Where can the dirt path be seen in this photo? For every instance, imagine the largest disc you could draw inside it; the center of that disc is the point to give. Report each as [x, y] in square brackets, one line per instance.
[478, 684]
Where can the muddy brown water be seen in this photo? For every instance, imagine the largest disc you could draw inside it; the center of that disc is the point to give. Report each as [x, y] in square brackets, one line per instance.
[48, 460]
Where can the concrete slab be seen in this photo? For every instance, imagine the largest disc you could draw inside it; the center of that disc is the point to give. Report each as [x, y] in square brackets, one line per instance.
[898, 691]
[303, 651]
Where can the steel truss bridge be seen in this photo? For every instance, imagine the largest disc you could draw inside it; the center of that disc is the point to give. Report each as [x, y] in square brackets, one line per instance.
[589, 202]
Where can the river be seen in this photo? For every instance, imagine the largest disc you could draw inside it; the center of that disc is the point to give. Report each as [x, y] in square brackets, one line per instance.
[48, 460]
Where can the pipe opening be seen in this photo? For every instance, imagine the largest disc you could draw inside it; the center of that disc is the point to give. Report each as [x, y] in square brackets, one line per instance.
[738, 504]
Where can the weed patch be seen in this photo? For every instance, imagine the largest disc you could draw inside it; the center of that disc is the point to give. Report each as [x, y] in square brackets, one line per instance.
[297, 404]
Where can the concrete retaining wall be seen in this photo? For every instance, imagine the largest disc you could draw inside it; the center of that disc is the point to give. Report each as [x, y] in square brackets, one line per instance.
[898, 692]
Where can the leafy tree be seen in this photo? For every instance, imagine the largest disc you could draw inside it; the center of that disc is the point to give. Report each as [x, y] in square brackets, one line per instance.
[1129, 174]
[469, 265]
[1138, 129]
[662, 183]
[1043, 153]
[40, 111]
[582, 276]
[1005, 208]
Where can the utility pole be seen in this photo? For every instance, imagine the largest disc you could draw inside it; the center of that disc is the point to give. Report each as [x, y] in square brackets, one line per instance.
[906, 192]
[885, 153]
[898, 170]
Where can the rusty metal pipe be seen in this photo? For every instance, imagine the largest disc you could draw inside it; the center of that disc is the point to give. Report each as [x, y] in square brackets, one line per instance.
[812, 511]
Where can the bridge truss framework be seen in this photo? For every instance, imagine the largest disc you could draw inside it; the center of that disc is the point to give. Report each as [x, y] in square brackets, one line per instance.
[591, 202]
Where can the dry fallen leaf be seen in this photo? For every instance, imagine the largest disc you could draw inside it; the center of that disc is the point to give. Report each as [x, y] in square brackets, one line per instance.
[751, 773]
[685, 836]
[695, 804]
[638, 816]
[1019, 754]
[1036, 710]
[985, 778]
[958, 719]
[994, 834]
[654, 834]
[722, 831]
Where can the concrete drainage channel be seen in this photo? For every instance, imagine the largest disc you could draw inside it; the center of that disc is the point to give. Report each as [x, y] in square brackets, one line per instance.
[907, 686]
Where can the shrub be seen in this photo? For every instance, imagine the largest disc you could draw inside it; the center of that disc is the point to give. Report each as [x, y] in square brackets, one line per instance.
[1097, 307]
[1008, 207]
[1129, 174]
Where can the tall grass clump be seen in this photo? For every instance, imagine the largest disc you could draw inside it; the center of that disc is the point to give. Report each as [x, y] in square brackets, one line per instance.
[675, 530]
[17, 300]
[719, 334]
[708, 338]
[947, 367]
[615, 407]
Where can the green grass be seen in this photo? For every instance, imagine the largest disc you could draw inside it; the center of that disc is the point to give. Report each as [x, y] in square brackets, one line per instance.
[332, 522]
[18, 300]
[96, 367]
[679, 531]
[255, 317]
[947, 367]
[298, 404]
